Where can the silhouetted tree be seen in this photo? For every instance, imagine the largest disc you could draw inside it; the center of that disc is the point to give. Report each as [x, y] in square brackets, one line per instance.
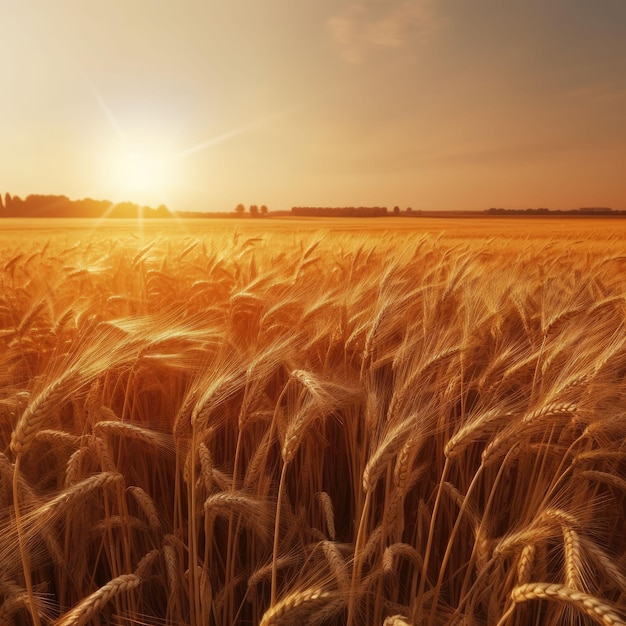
[1, 204]
[240, 209]
[396, 210]
[263, 209]
[39, 205]
[88, 207]
[125, 210]
[254, 210]
[17, 205]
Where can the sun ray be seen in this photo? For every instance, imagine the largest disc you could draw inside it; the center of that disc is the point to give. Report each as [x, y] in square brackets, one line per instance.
[230, 134]
[146, 168]
[107, 111]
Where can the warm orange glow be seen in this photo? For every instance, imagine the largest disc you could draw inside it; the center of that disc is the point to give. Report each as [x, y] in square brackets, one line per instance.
[144, 172]
[415, 103]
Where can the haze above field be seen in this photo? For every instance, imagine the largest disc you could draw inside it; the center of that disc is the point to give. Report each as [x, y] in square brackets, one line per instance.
[433, 104]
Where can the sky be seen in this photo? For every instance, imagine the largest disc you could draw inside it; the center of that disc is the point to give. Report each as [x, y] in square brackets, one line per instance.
[428, 104]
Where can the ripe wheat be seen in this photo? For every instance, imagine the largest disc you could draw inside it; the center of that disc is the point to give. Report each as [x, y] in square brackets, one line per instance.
[327, 428]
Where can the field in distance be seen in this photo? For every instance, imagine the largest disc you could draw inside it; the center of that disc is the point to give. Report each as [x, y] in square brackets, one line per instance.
[503, 227]
[278, 421]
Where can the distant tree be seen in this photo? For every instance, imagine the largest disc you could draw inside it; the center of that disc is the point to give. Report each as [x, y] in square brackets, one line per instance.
[240, 209]
[254, 210]
[263, 209]
[8, 201]
[88, 207]
[1, 204]
[17, 204]
[396, 210]
[125, 210]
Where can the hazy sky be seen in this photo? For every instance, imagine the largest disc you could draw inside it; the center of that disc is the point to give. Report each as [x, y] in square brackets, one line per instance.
[433, 104]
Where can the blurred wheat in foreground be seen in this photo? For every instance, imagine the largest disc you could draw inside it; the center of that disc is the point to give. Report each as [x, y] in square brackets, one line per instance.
[298, 429]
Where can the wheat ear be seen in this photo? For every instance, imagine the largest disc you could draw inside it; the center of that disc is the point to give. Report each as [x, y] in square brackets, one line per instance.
[337, 564]
[91, 606]
[171, 566]
[571, 549]
[72, 494]
[147, 505]
[592, 606]
[13, 604]
[146, 562]
[327, 504]
[135, 432]
[35, 413]
[525, 563]
[396, 620]
[293, 601]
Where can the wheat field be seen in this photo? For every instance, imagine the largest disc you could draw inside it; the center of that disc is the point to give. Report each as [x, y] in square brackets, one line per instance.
[312, 427]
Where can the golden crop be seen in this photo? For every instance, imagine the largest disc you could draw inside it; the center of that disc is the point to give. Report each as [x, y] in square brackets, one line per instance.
[322, 428]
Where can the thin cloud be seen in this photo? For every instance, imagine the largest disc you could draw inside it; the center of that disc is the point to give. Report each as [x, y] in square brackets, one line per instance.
[605, 91]
[361, 28]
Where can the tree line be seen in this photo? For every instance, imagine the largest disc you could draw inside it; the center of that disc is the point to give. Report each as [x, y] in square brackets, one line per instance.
[254, 210]
[546, 211]
[362, 211]
[38, 205]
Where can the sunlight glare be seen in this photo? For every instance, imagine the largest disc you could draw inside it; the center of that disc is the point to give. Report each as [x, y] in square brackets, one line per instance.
[143, 175]
[142, 171]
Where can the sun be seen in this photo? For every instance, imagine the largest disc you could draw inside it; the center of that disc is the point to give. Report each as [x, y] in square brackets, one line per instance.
[143, 174]
[142, 171]
[144, 164]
